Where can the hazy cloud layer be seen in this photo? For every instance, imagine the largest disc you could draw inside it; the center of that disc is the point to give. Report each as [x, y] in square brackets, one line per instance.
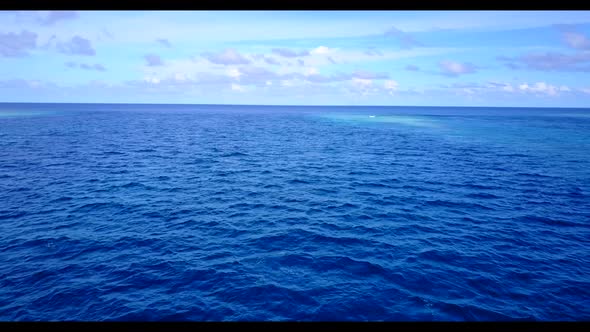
[573, 38]
[76, 46]
[577, 61]
[263, 57]
[550, 61]
[153, 60]
[164, 42]
[266, 59]
[287, 53]
[373, 52]
[405, 40]
[55, 16]
[369, 75]
[253, 75]
[576, 40]
[97, 66]
[25, 84]
[271, 61]
[228, 57]
[17, 44]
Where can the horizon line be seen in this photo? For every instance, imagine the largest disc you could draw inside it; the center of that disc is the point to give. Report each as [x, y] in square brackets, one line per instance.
[283, 105]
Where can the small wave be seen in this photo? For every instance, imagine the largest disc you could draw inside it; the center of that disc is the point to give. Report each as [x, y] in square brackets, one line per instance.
[343, 207]
[549, 221]
[482, 195]
[238, 214]
[313, 211]
[214, 213]
[297, 181]
[62, 199]
[535, 175]
[472, 313]
[438, 256]
[134, 185]
[360, 173]
[12, 214]
[235, 154]
[272, 186]
[513, 155]
[20, 189]
[384, 202]
[365, 193]
[370, 185]
[477, 186]
[354, 267]
[153, 214]
[451, 204]
[90, 207]
[247, 206]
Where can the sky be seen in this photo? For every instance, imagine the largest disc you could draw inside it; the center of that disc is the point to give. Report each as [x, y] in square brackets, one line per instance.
[419, 58]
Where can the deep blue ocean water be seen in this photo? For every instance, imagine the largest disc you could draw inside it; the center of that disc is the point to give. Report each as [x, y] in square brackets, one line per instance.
[235, 213]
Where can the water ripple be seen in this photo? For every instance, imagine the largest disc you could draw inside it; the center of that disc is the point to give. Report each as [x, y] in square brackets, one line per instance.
[244, 213]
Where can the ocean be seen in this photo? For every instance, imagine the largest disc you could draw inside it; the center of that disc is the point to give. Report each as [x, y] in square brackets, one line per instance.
[272, 213]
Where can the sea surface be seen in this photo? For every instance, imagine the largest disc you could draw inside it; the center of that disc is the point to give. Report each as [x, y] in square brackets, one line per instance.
[268, 213]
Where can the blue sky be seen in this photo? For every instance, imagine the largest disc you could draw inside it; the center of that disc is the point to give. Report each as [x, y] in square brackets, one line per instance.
[430, 58]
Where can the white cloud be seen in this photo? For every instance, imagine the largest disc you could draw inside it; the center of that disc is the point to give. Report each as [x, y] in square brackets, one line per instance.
[180, 77]
[492, 85]
[234, 73]
[189, 68]
[237, 87]
[391, 85]
[311, 71]
[321, 50]
[362, 85]
[493, 88]
[258, 71]
[453, 68]
[543, 88]
[362, 82]
[152, 80]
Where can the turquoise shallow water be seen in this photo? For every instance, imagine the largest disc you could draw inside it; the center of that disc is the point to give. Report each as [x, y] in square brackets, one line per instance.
[180, 212]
